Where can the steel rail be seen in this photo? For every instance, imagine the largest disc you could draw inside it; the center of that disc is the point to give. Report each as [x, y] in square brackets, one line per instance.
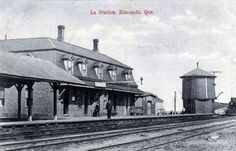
[116, 146]
[184, 138]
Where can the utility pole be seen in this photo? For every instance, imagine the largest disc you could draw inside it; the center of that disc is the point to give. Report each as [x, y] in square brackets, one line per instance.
[175, 103]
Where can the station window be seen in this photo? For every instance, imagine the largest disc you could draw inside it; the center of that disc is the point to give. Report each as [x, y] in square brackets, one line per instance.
[83, 69]
[83, 66]
[112, 72]
[128, 77]
[112, 75]
[98, 67]
[128, 74]
[99, 72]
[73, 98]
[2, 97]
[68, 63]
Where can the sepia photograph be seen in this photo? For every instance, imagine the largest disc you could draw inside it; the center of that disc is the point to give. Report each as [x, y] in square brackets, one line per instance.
[117, 75]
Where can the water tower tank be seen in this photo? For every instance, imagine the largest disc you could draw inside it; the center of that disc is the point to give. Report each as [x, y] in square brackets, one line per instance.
[198, 91]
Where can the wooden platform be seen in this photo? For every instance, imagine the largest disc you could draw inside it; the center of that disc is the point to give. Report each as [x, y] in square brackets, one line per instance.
[103, 118]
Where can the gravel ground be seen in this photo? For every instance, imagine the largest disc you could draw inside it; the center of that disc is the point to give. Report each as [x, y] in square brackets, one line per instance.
[223, 140]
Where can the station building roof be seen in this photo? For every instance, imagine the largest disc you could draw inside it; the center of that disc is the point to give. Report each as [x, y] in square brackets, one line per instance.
[198, 73]
[146, 94]
[46, 43]
[18, 68]
[149, 94]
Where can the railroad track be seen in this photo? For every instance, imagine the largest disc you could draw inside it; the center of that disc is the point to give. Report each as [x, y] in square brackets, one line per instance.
[87, 138]
[153, 143]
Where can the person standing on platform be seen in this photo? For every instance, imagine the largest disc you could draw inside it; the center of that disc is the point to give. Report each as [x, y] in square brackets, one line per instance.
[97, 107]
[109, 107]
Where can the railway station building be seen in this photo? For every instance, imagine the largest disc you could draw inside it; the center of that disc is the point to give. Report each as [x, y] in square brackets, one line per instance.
[87, 78]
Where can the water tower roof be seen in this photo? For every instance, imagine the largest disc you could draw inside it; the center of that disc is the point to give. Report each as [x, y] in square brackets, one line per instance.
[198, 73]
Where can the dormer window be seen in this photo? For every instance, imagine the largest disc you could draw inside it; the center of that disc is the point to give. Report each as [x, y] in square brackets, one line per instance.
[82, 64]
[98, 67]
[112, 75]
[68, 61]
[112, 72]
[128, 75]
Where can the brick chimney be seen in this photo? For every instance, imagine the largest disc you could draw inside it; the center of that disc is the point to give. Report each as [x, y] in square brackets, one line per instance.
[60, 36]
[95, 45]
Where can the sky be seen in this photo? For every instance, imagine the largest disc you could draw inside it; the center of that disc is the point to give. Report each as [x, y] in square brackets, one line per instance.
[160, 46]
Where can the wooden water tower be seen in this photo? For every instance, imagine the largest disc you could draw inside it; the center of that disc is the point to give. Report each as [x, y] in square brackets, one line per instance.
[198, 91]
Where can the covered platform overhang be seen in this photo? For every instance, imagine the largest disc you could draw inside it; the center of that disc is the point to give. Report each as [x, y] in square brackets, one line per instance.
[19, 70]
[118, 86]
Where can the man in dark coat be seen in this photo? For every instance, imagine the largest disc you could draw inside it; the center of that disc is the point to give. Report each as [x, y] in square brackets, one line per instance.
[109, 107]
[96, 110]
[97, 107]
